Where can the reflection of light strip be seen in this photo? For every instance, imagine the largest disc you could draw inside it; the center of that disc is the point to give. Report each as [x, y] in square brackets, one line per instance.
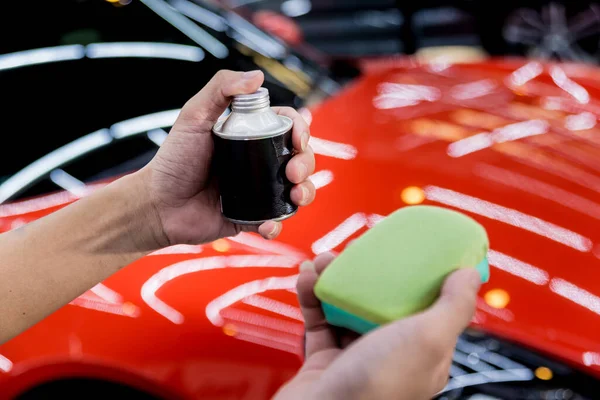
[158, 136]
[479, 366]
[102, 306]
[332, 149]
[144, 123]
[213, 309]
[259, 41]
[503, 313]
[508, 216]
[526, 73]
[41, 203]
[321, 178]
[269, 335]
[274, 306]
[179, 249]
[53, 160]
[374, 219]
[507, 133]
[5, 364]
[573, 88]
[580, 122]
[41, 56]
[269, 343]
[490, 357]
[201, 15]
[576, 294]
[250, 318]
[538, 188]
[472, 90]
[456, 371]
[106, 293]
[167, 274]
[590, 358]
[188, 28]
[518, 268]
[267, 246]
[342, 232]
[470, 144]
[68, 182]
[145, 49]
[481, 378]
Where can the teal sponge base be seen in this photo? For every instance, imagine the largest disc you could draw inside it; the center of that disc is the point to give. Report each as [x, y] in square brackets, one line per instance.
[484, 270]
[338, 317]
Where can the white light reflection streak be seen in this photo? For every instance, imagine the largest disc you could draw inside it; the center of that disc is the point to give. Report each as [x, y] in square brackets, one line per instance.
[5, 364]
[591, 358]
[188, 28]
[158, 136]
[518, 268]
[472, 90]
[179, 249]
[269, 343]
[201, 15]
[144, 123]
[397, 95]
[41, 56]
[538, 188]
[53, 160]
[167, 274]
[342, 232]
[333, 149]
[576, 294]
[274, 306]
[481, 378]
[68, 182]
[250, 318]
[321, 178]
[509, 216]
[580, 122]
[145, 50]
[37, 204]
[213, 309]
[573, 88]
[524, 74]
[507, 133]
[258, 243]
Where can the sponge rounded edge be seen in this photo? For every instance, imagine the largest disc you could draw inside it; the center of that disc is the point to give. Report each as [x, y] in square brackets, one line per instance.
[393, 271]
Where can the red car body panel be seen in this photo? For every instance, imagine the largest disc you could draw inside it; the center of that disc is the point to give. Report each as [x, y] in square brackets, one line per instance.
[221, 320]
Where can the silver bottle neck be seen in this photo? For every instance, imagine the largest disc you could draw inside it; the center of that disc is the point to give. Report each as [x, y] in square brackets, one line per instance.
[246, 103]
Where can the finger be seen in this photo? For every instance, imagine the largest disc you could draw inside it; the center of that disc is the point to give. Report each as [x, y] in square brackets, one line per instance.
[455, 307]
[270, 229]
[300, 132]
[319, 335]
[301, 166]
[322, 261]
[208, 104]
[304, 193]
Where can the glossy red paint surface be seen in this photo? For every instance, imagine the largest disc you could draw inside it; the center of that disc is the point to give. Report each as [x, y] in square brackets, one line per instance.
[221, 320]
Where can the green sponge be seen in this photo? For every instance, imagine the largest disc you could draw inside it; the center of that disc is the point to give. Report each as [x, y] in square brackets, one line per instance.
[397, 268]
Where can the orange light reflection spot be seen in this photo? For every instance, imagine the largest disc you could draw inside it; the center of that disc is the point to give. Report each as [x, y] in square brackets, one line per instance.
[221, 245]
[412, 195]
[543, 373]
[229, 330]
[497, 298]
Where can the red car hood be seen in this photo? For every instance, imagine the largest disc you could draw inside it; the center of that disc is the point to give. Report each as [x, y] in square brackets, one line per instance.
[512, 144]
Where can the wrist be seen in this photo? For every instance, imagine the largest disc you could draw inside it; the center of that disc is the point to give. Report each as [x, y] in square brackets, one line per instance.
[148, 235]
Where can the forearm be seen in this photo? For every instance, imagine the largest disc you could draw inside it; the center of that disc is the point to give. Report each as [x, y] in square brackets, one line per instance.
[48, 263]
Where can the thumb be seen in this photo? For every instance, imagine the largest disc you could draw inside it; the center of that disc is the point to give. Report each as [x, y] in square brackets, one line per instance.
[455, 307]
[209, 103]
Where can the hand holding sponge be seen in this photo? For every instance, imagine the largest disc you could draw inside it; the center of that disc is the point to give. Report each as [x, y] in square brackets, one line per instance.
[397, 268]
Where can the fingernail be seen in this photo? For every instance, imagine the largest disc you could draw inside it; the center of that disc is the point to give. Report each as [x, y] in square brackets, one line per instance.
[307, 266]
[304, 194]
[303, 171]
[274, 230]
[250, 74]
[304, 140]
